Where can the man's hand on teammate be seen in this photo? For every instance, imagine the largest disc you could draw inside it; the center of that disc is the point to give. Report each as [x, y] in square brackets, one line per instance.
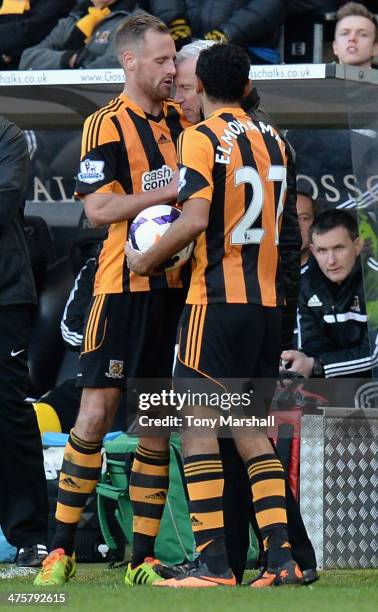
[137, 262]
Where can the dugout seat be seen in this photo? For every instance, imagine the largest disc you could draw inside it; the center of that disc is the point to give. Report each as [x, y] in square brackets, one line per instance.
[41, 247]
[62, 218]
[46, 349]
[304, 36]
[50, 363]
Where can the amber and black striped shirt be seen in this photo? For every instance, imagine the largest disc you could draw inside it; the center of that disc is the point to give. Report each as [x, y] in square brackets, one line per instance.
[126, 151]
[239, 166]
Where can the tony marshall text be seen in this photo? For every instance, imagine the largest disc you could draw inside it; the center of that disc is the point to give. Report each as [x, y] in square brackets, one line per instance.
[192, 421]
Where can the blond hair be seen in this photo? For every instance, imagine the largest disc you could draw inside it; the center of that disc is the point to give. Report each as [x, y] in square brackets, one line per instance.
[133, 29]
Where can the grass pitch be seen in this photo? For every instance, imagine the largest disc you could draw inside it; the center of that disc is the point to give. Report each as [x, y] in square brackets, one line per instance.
[98, 589]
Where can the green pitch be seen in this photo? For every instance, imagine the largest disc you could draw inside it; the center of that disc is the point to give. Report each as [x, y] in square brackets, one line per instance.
[97, 589]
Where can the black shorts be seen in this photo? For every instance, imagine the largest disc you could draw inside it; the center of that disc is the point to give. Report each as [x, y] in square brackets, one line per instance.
[229, 347]
[129, 335]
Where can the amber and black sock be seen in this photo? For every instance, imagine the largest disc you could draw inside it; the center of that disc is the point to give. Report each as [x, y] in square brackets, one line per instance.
[78, 478]
[148, 492]
[267, 478]
[205, 483]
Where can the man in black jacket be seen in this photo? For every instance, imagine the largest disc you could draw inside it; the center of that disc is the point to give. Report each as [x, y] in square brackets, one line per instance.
[332, 313]
[252, 24]
[23, 499]
[84, 39]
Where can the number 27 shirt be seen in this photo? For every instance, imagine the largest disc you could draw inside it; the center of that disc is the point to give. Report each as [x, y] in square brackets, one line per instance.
[239, 166]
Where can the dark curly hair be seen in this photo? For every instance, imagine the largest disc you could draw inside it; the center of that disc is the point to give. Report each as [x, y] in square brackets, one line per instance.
[224, 72]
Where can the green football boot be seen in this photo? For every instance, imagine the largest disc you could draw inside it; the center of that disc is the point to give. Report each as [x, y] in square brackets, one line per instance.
[57, 568]
[143, 573]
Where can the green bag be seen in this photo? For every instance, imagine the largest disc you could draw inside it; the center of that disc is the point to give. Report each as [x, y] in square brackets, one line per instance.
[175, 542]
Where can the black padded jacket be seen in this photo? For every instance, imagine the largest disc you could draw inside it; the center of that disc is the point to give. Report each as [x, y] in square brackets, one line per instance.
[245, 22]
[16, 277]
[18, 32]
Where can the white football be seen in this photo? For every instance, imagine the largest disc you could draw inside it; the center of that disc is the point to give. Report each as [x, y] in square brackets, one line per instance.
[150, 225]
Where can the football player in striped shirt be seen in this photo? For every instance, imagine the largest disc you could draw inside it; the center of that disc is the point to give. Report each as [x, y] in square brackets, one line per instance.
[233, 188]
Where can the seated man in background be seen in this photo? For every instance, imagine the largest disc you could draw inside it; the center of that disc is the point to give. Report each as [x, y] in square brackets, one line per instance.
[24, 23]
[332, 313]
[252, 24]
[356, 36]
[306, 216]
[84, 39]
[355, 44]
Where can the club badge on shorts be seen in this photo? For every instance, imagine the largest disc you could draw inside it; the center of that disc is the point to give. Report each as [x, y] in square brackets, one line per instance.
[115, 369]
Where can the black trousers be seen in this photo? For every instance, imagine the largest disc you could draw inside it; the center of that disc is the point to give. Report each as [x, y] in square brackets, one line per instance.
[23, 493]
[239, 513]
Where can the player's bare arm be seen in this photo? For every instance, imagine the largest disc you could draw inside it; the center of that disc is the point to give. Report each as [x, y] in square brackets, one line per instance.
[192, 222]
[106, 208]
